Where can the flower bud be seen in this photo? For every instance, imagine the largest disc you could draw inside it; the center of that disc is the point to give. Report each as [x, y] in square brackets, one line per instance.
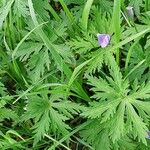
[130, 11]
[103, 39]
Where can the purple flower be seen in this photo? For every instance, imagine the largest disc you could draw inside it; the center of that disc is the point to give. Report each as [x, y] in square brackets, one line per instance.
[148, 134]
[130, 11]
[103, 39]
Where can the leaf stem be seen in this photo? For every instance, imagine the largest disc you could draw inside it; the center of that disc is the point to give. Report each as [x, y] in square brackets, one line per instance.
[116, 26]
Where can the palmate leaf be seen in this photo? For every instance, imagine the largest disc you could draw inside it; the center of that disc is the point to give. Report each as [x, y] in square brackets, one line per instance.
[123, 110]
[140, 128]
[46, 119]
[97, 135]
[50, 115]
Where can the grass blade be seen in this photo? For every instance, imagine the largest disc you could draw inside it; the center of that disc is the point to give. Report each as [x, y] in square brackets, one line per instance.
[116, 25]
[24, 38]
[85, 14]
[56, 141]
[80, 127]
[68, 13]
[77, 72]
[53, 12]
[137, 66]
[129, 39]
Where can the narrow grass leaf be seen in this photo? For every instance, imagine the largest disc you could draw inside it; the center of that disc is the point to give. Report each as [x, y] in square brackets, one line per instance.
[85, 14]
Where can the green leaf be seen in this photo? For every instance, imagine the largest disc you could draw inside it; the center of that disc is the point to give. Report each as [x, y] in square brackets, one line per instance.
[82, 45]
[119, 108]
[140, 128]
[20, 8]
[55, 55]
[118, 123]
[116, 25]
[27, 49]
[4, 11]
[50, 115]
[38, 64]
[6, 113]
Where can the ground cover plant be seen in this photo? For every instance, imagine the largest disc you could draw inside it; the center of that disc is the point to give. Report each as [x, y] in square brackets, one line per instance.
[74, 74]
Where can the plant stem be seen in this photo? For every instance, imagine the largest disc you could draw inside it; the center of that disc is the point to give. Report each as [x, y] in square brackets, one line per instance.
[53, 12]
[116, 26]
[67, 11]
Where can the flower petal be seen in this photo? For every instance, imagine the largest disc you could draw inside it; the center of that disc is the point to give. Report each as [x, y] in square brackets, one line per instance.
[103, 40]
[130, 11]
[148, 134]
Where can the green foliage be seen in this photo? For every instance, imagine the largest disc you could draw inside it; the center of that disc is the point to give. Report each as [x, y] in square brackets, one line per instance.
[74, 2]
[50, 114]
[5, 113]
[119, 109]
[4, 11]
[82, 45]
[21, 8]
